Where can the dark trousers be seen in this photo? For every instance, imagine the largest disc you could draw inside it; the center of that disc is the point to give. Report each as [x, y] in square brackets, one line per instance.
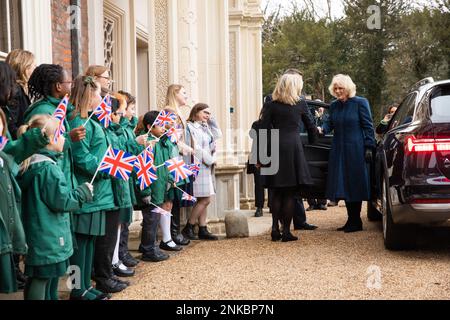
[282, 204]
[317, 202]
[175, 222]
[104, 247]
[354, 211]
[299, 217]
[259, 189]
[123, 243]
[149, 228]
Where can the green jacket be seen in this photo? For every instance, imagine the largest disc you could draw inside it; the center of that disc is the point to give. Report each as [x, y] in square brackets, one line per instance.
[27, 145]
[48, 106]
[162, 189]
[12, 235]
[87, 155]
[133, 148]
[121, 188]
[47, 201]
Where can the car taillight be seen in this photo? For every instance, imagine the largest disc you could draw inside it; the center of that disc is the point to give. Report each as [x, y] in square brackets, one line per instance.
[426, 145]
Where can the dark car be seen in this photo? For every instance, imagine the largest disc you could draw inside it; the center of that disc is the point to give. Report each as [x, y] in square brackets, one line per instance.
[411, 174]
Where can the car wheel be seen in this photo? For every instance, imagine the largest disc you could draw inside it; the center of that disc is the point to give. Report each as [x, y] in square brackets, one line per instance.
[396, 237]
[372, 213]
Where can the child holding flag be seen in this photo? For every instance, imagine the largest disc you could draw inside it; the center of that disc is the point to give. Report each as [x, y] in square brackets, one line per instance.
[47, 201]
[90, 221]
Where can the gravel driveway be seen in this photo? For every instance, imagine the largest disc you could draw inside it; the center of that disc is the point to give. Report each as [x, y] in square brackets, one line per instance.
[323, 264]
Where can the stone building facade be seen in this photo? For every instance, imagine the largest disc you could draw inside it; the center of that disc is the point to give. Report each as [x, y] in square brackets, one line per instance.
[212, 47]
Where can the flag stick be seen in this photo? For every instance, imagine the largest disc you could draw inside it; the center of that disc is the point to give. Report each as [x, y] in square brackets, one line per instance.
[98, 168]
[160, 208]
[90, 117]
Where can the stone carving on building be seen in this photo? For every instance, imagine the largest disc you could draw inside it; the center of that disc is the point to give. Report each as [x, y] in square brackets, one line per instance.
[108, 28]
[162, 51]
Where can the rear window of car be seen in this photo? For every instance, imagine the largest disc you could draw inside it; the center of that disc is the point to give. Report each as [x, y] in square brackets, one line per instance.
[440, 105]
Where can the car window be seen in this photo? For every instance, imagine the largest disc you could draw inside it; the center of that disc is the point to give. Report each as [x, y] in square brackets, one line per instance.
[321, 118]
[405, 112]
[440, 105]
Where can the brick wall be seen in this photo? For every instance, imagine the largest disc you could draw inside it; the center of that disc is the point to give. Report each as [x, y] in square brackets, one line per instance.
[61, 35]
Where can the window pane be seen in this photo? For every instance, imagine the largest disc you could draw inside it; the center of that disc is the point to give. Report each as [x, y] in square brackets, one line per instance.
[440, 107]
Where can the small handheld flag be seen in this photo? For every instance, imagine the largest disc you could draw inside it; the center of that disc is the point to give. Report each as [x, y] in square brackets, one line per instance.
[178, 169]
[195, 168]
[103, 111]
[161, 211]
[188, 197]
[118, 163]
[165, 118]
[60, 115]
[172, 134]
[3, 142]
[146, 172]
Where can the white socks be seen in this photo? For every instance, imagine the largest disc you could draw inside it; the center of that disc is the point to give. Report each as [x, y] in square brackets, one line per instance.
[164, 223]
[115, 259]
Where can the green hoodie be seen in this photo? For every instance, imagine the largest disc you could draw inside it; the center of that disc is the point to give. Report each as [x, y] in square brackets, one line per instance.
[12, 235]
[48, 106]
[133, 148]
[47, 202]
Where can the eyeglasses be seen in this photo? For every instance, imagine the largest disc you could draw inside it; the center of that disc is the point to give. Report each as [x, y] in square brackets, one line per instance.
[106, 78]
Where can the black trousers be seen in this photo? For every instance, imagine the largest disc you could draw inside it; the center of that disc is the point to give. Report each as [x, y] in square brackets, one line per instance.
[149, 228]
[354, 211]
[259, 189]
[317, 202]
[123, 242]
[104, 247]
[299, 217]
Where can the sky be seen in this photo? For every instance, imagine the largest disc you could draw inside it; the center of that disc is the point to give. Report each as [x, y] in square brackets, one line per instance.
[337, 8]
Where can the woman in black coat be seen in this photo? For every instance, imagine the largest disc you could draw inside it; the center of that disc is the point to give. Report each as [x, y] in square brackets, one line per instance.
[285, 114]
[353, 144]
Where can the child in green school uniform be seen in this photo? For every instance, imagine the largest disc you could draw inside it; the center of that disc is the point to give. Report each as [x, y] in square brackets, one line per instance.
[47, 201]
[90, 221]
[162, 193]
[12, 235]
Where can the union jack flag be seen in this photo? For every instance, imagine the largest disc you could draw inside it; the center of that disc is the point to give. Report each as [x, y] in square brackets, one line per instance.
[178, 169]
[150, 153]
[3, 142]
[195, 168]
[165, 118]
[146, 172]
[60, 115]
[118, 163]
[188, 197]
[172, 134]
[103, 111]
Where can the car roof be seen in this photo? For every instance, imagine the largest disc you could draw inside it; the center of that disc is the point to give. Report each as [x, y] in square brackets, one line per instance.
[428, 86]
[317, 103]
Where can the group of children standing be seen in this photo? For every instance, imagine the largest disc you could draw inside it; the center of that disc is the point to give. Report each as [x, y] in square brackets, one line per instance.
[59, 220]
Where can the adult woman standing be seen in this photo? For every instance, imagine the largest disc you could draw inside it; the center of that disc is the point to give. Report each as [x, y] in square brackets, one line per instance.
[202, 134]
[285, 114]
[176, 99]
[23, 63]
[353, 143]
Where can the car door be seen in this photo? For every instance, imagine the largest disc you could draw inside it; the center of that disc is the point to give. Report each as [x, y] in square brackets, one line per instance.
[317, 155]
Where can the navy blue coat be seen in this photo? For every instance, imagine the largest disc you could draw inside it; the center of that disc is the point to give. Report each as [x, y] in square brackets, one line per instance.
[348, 177]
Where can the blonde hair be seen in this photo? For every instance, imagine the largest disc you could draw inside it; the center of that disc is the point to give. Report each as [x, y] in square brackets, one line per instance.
[82, 95]
[96, 71]
[171, 96]
[20, 61]
[289, 89]
[38, 121]
[346, 82]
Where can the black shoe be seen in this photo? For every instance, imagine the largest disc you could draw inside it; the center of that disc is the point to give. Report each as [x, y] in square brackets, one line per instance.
[310, 208]
[344, 226]
[129, 261]
[354, 227]
[322, 207]
[188, 232]
[306, 226]
[276, 236]
[165, 246]
[286, 237]
[180, 240]
[155, 256]
[110, 286]
[115, 278]
[204, 234]
[259, 212]
[120, 272]
[332, 204]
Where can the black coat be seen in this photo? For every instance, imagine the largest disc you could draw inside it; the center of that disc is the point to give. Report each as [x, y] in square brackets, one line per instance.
[18, 104]
[293, 169]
